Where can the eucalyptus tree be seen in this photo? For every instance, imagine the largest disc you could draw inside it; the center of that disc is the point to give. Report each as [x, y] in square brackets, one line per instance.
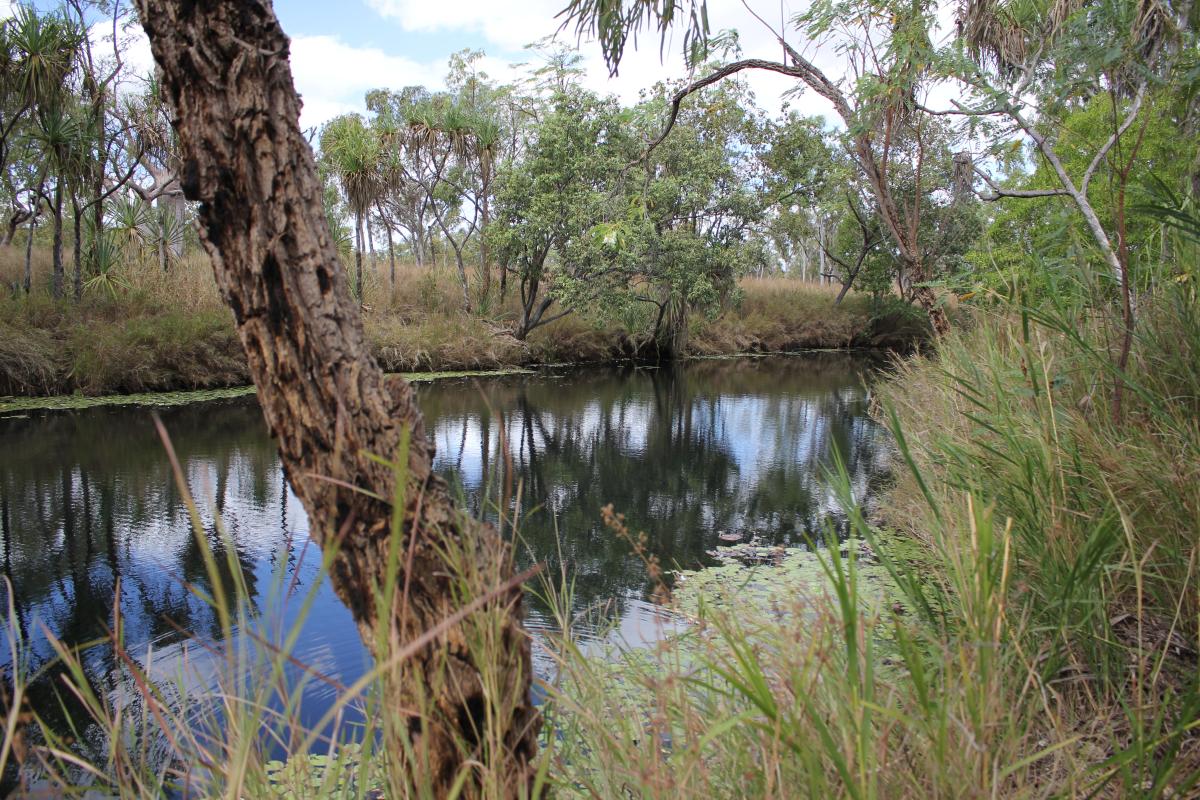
[882, 51]
[700, 201]
[805, 175]
[1023, 64]
[550, 204]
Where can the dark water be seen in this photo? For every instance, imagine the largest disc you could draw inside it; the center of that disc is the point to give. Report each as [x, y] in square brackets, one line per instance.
[88, 507]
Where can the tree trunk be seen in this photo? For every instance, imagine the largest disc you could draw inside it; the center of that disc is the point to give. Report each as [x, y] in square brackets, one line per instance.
[843, 291]
[59, 272]
[15, 220]
[224, 71]
[371, 245]
[78, 250]
[387, 225]
[358, 256]
[392, 259]
[29, 255]
[177, 207]
[928, 300]
[485, 268]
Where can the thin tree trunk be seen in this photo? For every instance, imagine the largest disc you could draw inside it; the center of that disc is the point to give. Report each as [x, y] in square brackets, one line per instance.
[387, 226]
[15, 220]
[98, 192]
[371, 246]
[358, 256]
[78, 250]
[225, 72]
[59, 272]
[843, 292]
[391, 258]
[29, 255]
[486, 268]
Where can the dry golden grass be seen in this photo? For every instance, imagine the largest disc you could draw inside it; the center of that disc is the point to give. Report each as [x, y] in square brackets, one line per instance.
[170, 329]
[12, 266]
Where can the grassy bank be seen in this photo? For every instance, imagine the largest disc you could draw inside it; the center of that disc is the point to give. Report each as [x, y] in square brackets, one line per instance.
[1046, 639]
[143, 338]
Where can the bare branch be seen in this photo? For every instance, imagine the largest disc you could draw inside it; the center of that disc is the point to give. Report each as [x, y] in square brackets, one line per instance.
[999, 191]
[1134, 109]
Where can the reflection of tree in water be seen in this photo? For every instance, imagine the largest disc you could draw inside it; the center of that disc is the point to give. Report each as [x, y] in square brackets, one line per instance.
[87, 504]
[684, 452]
[87, 499]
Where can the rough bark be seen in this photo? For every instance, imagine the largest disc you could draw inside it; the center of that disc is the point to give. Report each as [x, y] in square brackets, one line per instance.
[225, 74]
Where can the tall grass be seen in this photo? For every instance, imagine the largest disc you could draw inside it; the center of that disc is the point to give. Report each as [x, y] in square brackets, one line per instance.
[1047, 638]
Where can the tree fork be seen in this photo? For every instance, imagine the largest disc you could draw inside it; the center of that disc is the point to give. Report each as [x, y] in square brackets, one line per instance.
[225, 74]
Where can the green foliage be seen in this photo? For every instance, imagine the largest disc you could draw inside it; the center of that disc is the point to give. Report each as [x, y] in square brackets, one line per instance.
[1056, 233]
[106, 259]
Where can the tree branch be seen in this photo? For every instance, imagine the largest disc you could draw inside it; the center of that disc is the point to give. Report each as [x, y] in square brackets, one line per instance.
[709, 80]
[1134, 109]
[999, 191]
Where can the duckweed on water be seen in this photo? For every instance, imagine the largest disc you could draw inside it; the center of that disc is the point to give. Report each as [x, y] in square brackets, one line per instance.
[16, 405]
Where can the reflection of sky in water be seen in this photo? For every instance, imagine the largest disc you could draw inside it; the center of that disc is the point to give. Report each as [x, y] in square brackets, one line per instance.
[86, 498]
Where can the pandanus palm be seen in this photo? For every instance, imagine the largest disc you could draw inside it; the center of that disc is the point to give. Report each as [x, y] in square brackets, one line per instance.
[352, 152]
[41, 51]
[485, 143]
[63, 140]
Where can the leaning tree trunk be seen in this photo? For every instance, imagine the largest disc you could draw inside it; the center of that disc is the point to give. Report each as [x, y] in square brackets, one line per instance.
[225, 74]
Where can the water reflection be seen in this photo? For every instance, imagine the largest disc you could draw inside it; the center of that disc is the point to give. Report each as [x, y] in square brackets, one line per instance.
[89, 511]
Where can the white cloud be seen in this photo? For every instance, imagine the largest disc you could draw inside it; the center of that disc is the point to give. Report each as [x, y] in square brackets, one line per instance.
[332, 77]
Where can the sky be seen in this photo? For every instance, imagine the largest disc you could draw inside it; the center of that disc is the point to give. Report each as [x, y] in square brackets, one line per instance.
[340, 50]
